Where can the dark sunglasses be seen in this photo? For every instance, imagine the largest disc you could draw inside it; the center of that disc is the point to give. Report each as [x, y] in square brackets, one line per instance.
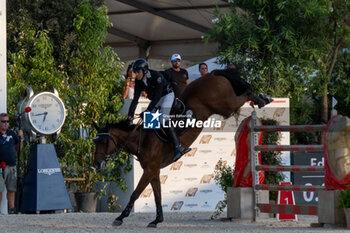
[5, 121]
[176, 60]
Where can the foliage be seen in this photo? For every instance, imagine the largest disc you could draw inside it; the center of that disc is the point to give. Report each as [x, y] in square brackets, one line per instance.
[285, 48]
[271, 157]
[112, 204]
[93, 94]
[65, 50]
[339, 86]
[344, 198]
[223, 176]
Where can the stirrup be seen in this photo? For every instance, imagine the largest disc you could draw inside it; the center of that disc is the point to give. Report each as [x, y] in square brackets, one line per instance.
[179, 154]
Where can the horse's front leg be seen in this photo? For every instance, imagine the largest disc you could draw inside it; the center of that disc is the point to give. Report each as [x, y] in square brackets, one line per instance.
[158, 199]
[147, 176]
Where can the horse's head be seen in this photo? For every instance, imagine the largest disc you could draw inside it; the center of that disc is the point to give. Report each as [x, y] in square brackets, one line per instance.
[105, 145]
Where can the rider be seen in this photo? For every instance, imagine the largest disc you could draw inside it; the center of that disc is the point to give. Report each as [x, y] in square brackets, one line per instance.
[161, 94]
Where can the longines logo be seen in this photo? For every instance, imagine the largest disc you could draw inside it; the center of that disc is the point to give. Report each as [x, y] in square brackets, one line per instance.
[191, 205]
[163, 178]
[176, 191]
[49, 171]
[175, 179]
[176, 166]
[220, 139]
[191, 179]
[146, 207]
[177, 205]
[205, 151]
[45, 106]
[191, 165]
[146, 193]
[191, 153]
[206, 191]
[205, 165]
[205, 205]
[206, 179]
[205, 139]
[191, 192]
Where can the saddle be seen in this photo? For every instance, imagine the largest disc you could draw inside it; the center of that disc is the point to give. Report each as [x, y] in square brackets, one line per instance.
[179, 112]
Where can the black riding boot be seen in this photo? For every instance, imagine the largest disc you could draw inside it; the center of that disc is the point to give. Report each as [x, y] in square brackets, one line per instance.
[178, 149]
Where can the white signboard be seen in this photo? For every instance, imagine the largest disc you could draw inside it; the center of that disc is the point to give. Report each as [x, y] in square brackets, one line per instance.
[188, 184]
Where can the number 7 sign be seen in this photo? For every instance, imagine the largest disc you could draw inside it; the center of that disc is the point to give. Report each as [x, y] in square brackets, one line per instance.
[286, 198]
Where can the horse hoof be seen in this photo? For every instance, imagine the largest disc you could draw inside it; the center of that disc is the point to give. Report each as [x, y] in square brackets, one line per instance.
[152, 225]
[117, 222]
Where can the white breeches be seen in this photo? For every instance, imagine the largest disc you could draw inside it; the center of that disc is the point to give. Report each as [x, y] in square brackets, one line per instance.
[165, 103]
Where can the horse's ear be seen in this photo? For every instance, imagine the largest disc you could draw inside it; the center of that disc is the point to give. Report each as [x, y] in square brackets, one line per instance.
[95, 125]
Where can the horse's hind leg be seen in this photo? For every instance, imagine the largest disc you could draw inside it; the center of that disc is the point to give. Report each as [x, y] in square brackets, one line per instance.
[146, 177]
[158, 199]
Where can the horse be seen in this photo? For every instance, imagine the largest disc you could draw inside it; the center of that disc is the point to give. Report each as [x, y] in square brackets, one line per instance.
[220, 92]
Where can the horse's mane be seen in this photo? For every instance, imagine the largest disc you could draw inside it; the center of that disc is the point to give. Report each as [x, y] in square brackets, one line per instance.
[239, 85]
[123, 125]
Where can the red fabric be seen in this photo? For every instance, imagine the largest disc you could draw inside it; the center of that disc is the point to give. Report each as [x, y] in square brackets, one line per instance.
[242, 158]
[2, 165]
[331, 182]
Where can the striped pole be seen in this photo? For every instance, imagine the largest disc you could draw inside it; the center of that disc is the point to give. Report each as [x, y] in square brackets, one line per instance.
[274, 208]
[254, 161]
[294, 168]
[289, 148]
[290, 128]
[297, 188]
[288, 209]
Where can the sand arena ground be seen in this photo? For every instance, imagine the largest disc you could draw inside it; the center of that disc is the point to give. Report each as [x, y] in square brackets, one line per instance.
[173, 222]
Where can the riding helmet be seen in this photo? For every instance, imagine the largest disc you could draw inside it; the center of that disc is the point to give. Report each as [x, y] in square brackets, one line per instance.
[140, 64]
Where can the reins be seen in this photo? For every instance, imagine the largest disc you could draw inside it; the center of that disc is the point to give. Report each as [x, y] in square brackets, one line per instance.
[122, 146]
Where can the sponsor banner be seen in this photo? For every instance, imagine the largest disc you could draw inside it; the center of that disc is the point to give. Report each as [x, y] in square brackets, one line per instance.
[188, 184]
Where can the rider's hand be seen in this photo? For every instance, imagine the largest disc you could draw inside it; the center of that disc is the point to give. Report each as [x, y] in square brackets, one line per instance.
[129, 120]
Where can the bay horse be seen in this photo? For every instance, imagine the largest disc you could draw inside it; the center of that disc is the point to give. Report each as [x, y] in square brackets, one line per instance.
[220, 92]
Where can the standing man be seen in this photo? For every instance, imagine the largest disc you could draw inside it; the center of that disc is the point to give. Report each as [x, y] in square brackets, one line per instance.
[203, 69]
[177, 75]
[9, 145]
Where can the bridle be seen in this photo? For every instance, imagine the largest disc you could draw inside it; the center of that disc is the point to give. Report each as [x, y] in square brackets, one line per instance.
[106, 156]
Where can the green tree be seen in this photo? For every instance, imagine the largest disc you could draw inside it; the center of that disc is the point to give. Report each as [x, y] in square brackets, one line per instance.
[73, 60]
[279, 44]
[93, 93]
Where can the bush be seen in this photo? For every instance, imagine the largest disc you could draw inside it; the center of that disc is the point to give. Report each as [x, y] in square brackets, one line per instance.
[223, 176]
[344, 199]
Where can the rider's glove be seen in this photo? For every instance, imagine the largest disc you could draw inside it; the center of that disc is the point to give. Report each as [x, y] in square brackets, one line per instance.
[129, 120]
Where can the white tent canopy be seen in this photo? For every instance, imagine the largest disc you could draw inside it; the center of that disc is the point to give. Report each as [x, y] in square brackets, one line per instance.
[158, 28]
